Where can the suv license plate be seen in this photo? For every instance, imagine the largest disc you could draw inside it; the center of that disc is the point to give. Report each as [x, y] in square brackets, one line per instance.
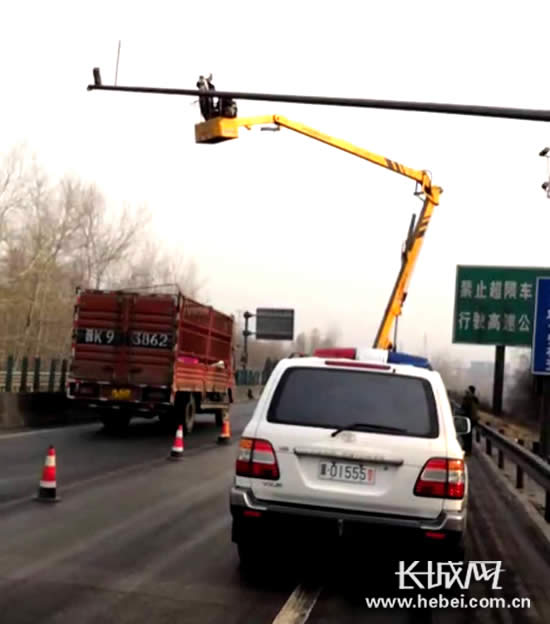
[352, 473]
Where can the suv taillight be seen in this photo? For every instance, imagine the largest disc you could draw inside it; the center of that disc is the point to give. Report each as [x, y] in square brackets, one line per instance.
[441, 478]
[257, 459]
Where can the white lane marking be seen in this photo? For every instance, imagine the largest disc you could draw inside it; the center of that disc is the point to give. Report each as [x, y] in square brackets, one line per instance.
[22, 434]
[299, 605]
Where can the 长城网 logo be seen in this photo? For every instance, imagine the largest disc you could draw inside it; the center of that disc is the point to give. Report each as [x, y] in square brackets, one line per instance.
[448, 574]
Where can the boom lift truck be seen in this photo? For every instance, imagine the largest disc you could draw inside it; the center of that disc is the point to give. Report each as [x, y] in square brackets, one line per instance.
[219, 125]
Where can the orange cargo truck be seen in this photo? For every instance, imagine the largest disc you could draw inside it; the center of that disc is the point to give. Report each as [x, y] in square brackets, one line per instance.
[150, 355]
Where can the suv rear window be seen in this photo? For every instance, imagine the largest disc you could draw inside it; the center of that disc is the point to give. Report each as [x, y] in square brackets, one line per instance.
[318, 397]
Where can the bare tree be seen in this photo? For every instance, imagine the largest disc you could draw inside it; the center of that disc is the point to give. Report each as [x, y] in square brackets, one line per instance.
[55, 236]
[39, 232]
[330, 338]
[307, 342]
[300, 343]
[522, 394]
[260, 350]
[149, 266]
[104, 241]
[314, 339]
[12, 187]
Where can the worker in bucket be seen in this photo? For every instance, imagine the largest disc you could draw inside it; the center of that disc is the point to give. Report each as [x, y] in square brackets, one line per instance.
[224, 107]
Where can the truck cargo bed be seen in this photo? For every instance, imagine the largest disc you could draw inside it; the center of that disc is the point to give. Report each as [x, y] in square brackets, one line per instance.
[149, 352]
[124, 339]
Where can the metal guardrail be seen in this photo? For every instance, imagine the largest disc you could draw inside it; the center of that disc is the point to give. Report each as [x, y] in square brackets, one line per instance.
[525, 461]
[25, 375]
[250, 378]
[30, 378]
[45, 382]
[243, 378]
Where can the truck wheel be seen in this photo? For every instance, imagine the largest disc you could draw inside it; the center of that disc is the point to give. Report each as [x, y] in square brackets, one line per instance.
[219, 417]
[167, 423]
[189, 415]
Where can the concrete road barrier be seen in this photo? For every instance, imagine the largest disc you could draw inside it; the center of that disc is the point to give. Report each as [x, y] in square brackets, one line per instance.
[32, 409]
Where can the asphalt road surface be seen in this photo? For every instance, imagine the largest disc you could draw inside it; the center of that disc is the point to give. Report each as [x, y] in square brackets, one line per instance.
[138, 539]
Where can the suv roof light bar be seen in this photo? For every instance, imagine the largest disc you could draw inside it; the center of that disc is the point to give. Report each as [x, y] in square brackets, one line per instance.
[358, 365]
[347, 353]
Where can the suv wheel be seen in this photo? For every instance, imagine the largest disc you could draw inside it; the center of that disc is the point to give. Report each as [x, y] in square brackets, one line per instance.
[249, 557]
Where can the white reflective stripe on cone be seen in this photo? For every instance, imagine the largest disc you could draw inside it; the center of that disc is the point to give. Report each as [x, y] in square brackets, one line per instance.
[50, 461]
[47, 484]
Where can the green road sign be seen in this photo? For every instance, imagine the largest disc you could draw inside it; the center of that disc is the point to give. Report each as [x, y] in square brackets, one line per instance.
[495, 305]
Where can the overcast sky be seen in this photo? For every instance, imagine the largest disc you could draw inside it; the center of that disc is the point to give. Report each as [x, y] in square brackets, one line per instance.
[275, 219]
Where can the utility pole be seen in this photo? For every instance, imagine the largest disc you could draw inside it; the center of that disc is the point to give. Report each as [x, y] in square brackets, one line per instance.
[498, 380]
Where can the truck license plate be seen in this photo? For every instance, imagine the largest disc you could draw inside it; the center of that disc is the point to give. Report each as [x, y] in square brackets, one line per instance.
[121, 394]
[352, 473]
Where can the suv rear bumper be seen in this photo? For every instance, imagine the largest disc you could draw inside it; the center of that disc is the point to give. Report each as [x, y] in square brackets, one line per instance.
[243, 500]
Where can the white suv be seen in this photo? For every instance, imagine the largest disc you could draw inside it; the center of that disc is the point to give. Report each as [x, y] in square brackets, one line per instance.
[350, 442]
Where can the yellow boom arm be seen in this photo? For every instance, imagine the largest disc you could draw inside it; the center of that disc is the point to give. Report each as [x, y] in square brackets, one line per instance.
[223, 128]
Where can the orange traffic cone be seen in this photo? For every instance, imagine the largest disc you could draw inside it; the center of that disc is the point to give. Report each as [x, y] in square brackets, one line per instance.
[178, 446]
[225, 434]
[47, 490]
